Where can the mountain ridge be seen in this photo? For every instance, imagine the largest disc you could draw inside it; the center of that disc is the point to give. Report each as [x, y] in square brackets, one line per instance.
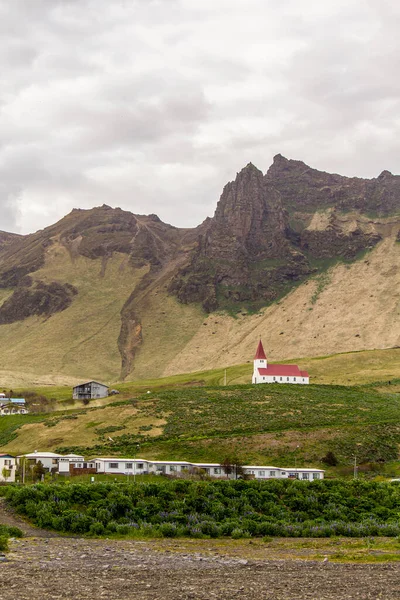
[270, 234]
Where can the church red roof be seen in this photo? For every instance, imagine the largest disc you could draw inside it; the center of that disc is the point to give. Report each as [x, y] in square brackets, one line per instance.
[260, 352]
[283, 371]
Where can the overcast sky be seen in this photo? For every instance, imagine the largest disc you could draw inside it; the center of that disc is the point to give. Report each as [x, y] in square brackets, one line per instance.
[153, 105]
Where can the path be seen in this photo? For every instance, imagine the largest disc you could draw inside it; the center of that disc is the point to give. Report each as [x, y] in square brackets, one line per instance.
[8, 517]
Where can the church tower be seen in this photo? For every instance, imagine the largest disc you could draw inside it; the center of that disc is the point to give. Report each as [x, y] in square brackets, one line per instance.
[260, 362]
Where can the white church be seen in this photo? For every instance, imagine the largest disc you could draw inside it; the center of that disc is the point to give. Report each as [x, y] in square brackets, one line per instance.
[264, 373]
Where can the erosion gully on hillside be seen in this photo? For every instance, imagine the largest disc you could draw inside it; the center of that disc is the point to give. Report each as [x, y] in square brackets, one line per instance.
[46, 567]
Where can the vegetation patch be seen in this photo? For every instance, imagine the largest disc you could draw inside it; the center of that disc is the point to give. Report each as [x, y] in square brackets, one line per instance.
[237, 509]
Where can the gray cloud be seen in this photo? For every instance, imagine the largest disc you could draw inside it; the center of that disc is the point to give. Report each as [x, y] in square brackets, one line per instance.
[153, 105]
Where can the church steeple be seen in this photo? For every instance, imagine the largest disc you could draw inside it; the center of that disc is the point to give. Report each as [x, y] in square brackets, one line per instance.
[260, 362]
[260, 351]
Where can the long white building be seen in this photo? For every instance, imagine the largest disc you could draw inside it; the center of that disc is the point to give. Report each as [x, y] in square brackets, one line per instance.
[140, 466]
[75, 464]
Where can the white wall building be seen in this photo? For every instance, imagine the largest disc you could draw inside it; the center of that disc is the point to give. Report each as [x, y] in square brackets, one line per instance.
[7, 468]
[264, 373]
[140, 466]
[283, 473]
[64, 463]
[12, 406]
[49, 460]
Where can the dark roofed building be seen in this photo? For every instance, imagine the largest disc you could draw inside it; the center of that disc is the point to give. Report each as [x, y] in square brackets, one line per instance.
[90, 390]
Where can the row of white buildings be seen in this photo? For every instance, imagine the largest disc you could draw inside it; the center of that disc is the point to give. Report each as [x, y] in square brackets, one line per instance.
[74, 464]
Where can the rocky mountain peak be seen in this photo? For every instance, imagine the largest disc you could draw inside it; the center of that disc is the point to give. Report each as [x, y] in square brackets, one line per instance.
[385, 174]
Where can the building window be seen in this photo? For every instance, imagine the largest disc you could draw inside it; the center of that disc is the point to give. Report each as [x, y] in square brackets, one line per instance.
[172, 468]
[140, 466]
[280, 378]
[7, 462]
[283, 473]
[294, 475]
[304, 475]
[217, 471]
[113, 465]
[272, 473]
[316, 476]
[303, 379]
[294, 378]
[287, 378]
[261, 473]
[129, 466]
[273, 378]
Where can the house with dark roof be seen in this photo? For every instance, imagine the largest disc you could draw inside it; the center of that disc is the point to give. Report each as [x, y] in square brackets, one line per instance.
[265, 373]
[90, 390]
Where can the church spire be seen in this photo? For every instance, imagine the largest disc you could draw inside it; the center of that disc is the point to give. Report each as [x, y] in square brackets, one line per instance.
[260, 352]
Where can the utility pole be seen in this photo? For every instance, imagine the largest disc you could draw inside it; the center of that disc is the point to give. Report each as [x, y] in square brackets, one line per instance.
[355, 466]
[134, 464]
[295, 462]
[225, 378]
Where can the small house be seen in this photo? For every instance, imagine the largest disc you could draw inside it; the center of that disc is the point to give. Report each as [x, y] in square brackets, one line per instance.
[13, 406]
[90, 390]
[49, 460]
[7, 468]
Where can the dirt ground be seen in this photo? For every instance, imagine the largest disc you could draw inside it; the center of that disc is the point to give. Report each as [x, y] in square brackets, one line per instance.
[68, 568]
[44, 566]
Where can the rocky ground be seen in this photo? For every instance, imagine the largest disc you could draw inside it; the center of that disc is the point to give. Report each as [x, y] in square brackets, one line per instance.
[67, 568]
[44, 566]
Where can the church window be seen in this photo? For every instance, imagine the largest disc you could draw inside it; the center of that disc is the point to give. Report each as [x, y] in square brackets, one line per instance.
[273, 378]
[280, 378]
[294, 378]
[287, 378]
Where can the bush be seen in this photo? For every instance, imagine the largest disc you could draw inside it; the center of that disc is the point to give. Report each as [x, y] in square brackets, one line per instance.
[3, 543]
[330, 459]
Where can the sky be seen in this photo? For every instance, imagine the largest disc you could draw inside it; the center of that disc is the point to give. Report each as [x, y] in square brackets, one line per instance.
[154, 105]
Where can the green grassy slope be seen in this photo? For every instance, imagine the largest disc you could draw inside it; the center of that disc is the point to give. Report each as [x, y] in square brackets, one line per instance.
[261, 424]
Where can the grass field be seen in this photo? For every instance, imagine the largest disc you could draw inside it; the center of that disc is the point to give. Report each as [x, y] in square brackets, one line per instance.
[278, 424]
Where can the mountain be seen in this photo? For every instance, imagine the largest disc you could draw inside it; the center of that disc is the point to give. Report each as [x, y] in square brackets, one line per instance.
[307, 259]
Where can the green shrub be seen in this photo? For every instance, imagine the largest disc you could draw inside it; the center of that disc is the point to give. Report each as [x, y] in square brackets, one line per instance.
[214, 508]
[3, 543]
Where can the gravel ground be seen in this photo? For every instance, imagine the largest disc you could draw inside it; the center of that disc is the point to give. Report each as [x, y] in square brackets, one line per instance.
[45, 566]
[68, 568]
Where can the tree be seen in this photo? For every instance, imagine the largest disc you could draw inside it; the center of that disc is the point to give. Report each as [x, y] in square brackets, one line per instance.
[330, 459]
[233, 466]
[5, 473]
[38, 471]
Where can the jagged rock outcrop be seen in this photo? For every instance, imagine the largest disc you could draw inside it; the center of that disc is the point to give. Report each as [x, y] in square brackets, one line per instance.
[36, 299]
[305, 189]
[246, 254]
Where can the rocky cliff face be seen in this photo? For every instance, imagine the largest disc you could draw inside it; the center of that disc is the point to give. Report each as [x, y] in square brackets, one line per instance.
[305, 189]
[262, 240]
[245, 255]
